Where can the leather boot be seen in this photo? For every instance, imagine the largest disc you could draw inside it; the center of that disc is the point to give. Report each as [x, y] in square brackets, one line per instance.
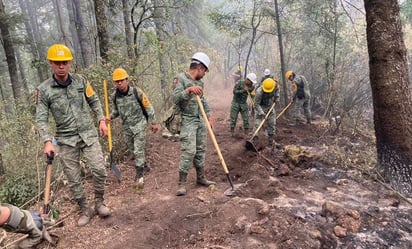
[308, 120]
[270, 139]
[99, 205]
[201, 179]
[182, 182]
[139, 178]
[85, 212]
[232, 131]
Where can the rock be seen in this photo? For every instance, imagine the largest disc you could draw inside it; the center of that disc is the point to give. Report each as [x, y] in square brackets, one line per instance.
[283, 170]
[340, 231]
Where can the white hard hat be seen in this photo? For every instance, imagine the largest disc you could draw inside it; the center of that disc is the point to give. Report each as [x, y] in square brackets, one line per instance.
[202, 58]
[267, 72]
[251, 77]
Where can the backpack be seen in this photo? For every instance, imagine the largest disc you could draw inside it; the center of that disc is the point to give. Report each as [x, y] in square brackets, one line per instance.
[139, 100]
[173, 119]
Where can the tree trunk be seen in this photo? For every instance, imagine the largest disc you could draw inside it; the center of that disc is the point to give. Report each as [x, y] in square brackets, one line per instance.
[61, 21]
[87, 54]
[22, 72]
[16, 85]
[127, 29]
[391, 91]
[38, 58]
[75, 36]
[281, 54]
[101, 22]
[159, 19]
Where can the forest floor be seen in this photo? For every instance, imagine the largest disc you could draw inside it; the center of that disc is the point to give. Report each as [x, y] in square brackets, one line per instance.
[293, 196]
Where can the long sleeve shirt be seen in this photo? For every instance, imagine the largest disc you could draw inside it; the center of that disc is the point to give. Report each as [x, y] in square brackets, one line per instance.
[70, 107]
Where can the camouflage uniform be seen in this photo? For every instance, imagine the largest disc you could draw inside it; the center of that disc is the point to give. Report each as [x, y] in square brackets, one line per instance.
[239, 104]
[25, 222]
[193, 130]
[133, 120]
[301, 98]
[263, 102]
[75, 131]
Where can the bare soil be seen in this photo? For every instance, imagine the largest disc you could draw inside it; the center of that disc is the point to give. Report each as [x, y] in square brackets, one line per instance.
[284, 200]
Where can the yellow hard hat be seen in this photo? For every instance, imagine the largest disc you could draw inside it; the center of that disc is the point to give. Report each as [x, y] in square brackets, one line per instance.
[119, 74]
[59, 52]
[268, 85]
[288, 74]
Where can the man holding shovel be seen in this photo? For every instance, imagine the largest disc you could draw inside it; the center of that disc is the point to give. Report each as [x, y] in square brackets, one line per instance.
[193, 130]
[265, 97]
[241, 92]
[69, 98]
[132, 105]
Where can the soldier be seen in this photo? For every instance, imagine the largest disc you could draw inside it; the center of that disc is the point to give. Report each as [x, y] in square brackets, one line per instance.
[301, 96]
[136, 111]
[193, 130]
[266, 95]
[241, 92]
[266, 74]
[69, 98]
[16, 220]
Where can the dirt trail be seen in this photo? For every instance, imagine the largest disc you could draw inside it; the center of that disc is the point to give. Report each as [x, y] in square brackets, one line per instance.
[309, 203]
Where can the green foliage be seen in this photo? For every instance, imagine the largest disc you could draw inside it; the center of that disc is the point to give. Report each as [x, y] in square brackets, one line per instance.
[17, 189]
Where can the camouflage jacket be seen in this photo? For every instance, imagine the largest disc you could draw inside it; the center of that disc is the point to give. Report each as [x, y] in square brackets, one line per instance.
[188, 103]
[238, 95]
[263, 101]
[128, 108]
[300, 88]
[70, 107]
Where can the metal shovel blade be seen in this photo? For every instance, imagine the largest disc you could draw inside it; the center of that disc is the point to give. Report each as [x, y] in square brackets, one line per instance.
[233, 191]
[115, 169]
[250, 146]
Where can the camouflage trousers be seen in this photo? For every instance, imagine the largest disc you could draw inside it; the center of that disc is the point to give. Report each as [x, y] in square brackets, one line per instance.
[270, 122]
[237, 108]
[136, 142]
[193, 144]
[70, 158]
[298, 105]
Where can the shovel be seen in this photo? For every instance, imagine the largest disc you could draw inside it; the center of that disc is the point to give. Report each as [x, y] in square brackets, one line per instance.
[231, 191]
[284, 110]
[249, 143]
[113, 166]
[46, 206]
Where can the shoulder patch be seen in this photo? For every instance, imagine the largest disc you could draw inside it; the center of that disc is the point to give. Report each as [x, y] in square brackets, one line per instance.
[89, 90]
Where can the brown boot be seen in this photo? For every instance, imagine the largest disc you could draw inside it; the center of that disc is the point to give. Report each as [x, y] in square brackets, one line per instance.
[100, 208]
[182, 182]
[85, 212]
[201, 179]
[139, 178]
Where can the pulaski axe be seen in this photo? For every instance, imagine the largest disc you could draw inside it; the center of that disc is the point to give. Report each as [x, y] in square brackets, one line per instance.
[113, 166]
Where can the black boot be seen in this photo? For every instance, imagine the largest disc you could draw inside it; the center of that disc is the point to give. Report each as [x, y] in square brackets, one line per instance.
[271, 138]
[99, 205]
[232, 131]
[201, 179]
[182, 182]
